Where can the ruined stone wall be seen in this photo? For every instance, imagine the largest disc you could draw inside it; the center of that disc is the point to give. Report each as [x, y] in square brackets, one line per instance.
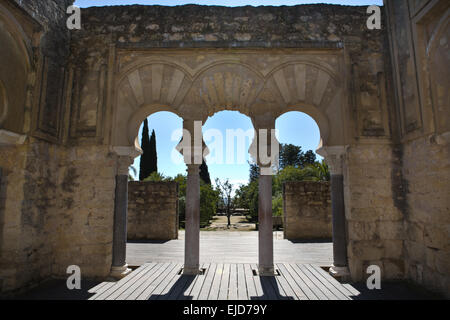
[375, 230]
[152, 210]
[85, 210]
[307, 210]
[29, 196]
[419, 44]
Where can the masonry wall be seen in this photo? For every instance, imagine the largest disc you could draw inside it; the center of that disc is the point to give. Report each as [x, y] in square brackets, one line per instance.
[29, 183]
[375, 231]
[419, 50]
[307, 210]
[152, 210]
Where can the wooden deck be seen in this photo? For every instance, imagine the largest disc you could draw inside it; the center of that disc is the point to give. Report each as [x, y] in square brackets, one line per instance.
[222, 281]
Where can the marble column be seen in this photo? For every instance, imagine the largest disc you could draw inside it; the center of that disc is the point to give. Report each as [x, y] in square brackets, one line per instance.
[119, 268]
[334, 156]
[264, 151]
[265, 226]
[192, 224]
[193, 150]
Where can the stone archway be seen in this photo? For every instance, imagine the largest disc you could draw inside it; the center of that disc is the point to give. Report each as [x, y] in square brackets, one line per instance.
[262, 84]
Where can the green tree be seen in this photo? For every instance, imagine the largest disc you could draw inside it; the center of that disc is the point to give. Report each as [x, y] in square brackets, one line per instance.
[290, 155]
[226, 189]
[309, 158]
[277, 205]
[208, 201]
[153, 158]
[247, 198]
[145, 170]
[204, 173]
[254, 172]
[157, 177]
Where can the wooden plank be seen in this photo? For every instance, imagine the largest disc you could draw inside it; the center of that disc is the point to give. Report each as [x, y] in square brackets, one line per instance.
[133, 283]
[180, 286]
[165, 286]
[232, 286]
[148, 286]
[223, 291]
[101, 287]
[333, 281]
[206, 288]
[257, 282]
[187, 295]
[196, 289]
[317, 282]
[135, 274]
[299, 292]
[143, 282]
[215, 287]
[308, 283]
[267, 291]
[290, 294]
[326, 282]
[250, 283]
[162, 285]
[352, 289]
[241, 284]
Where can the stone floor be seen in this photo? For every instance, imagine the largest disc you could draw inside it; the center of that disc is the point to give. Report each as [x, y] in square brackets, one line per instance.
[230, 247]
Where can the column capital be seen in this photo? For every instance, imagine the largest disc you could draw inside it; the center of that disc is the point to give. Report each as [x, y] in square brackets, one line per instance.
[265, 149]
[192, 147]
[334, 157]
[125, 158]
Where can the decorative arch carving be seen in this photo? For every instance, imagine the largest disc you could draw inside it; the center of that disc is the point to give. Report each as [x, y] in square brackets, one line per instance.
[154, 85]
[16, 52]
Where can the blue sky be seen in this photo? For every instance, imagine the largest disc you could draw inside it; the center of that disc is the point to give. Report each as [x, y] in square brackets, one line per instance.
[293, 127]
[230, 3]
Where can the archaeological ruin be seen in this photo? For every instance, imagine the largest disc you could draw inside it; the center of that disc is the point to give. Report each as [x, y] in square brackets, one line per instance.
[72, 102]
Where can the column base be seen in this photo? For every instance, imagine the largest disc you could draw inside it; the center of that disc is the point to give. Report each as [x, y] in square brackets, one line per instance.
[340, 273]
[266, 271]
[191, 271]
[120, 272]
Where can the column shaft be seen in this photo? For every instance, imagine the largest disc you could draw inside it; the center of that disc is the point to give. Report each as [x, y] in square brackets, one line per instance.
[120, 222]
[265, 228]
[192, 225]
[338, 214]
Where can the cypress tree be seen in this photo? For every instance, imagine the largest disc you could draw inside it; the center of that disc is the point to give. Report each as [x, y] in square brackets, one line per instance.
[144, 170]
[204, 173]
[153, 158]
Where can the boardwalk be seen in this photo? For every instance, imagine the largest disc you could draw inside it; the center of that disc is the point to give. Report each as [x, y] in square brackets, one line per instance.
[223, 281]
[231, 247]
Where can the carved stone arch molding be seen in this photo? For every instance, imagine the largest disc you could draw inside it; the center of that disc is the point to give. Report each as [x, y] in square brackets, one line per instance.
[15, 65]
[224, 85]
[307, 87]
[146, 89]
[230, 82]
[438, 61]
